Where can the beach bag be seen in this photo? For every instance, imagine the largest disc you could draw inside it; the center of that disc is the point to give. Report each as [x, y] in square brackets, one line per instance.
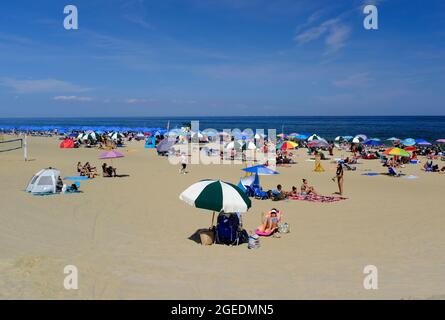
[207, 237]
[227, 229]
[283, 228]
[254, 242]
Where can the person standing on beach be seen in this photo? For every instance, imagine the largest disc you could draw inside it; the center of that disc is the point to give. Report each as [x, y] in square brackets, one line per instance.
[339, 176]
[183, 164]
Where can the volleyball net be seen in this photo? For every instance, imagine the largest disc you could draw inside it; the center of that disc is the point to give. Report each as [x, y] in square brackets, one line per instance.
[10, 145]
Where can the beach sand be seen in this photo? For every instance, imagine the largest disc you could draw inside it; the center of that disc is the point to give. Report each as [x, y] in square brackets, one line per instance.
[129, 236]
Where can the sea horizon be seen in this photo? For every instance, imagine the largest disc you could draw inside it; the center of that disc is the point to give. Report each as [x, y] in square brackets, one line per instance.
[425, 127]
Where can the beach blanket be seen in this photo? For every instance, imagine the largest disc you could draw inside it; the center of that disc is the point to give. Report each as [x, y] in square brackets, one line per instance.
[371, 174]
[411, 177]
[76, 178]
[316, 198]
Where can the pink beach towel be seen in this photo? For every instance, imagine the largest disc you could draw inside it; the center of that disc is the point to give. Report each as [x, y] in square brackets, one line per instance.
[316, 198]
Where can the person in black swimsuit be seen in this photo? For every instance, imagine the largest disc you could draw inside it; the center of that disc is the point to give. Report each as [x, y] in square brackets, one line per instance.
[339, 176]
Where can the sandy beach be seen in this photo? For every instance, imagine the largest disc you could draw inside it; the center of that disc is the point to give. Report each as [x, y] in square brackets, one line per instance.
[129, 236]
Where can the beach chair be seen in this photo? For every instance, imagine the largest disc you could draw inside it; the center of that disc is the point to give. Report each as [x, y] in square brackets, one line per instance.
[260, 194]
[250, 191]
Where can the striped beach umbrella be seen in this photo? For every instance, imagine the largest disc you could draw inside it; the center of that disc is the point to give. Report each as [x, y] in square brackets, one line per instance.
[216, 195]
[89, 135]
[314, 137]
[116, 135]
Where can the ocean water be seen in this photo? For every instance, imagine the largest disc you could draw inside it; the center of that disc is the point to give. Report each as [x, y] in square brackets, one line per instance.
[430, 128]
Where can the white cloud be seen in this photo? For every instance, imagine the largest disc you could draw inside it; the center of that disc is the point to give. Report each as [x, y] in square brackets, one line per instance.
[337, 37]
[335, 33]
[353, 81]
[135, 101]
[72, 98]
[41, 85]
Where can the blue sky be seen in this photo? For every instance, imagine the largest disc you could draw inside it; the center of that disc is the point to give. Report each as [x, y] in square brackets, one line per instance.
[221, 57]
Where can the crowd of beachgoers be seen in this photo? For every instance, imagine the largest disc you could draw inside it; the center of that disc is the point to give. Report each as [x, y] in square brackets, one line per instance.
[393, 154]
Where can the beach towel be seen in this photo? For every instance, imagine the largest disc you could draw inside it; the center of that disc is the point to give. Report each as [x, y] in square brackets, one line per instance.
[316, 198]
[76, 178]
[411, 177]
[370, 174]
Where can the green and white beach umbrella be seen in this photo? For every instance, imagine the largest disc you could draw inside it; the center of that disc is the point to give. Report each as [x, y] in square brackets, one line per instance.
[89, 135]
[216, 195]
[116, 135]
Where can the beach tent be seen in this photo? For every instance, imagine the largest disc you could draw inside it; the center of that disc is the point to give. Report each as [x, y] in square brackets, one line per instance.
[44, 181]
[150, 143]
[67, 144]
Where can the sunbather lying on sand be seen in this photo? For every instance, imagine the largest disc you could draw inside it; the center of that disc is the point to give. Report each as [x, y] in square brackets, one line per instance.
[270, 222]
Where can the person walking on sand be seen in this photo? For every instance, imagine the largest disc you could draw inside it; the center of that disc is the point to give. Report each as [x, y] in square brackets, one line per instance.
[183, 164]
[339, 177]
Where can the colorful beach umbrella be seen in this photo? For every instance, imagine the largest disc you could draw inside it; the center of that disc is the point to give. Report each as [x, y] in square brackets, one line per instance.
[287, 145]
[440, 140]
[216, 195]
[397, 152]
[393, 139]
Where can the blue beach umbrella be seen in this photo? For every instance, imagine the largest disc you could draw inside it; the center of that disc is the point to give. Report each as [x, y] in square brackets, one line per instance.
[409, 142]
[372, 143]
[260, 170]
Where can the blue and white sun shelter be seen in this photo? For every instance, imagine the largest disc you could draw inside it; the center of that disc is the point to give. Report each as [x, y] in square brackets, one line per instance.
[150, 143]
[44, 181]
